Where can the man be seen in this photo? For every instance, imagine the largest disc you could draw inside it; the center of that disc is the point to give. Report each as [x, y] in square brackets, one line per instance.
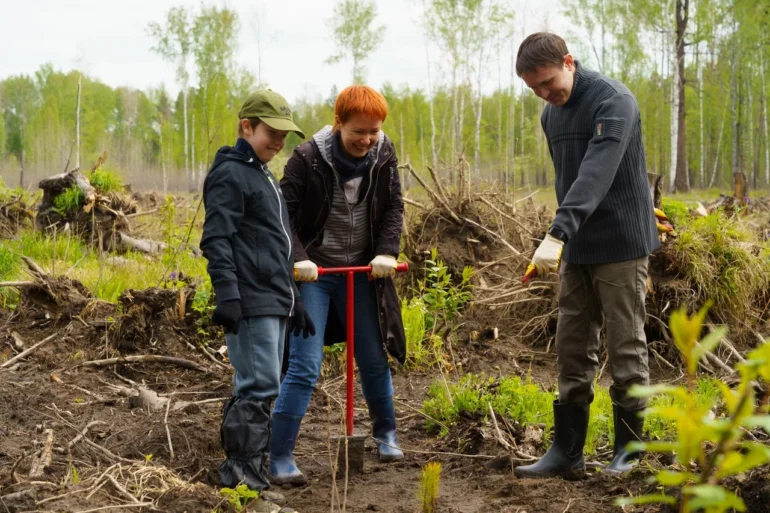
[606, 227]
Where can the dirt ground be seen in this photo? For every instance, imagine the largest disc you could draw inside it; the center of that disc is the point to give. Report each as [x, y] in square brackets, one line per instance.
[128, 448]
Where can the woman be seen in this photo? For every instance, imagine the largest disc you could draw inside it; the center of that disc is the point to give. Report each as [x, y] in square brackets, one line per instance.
[343, 195]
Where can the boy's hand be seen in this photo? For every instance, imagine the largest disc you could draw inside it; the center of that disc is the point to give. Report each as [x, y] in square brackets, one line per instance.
[301, 322]
[305, 270]
[383, 266]
[228, 315]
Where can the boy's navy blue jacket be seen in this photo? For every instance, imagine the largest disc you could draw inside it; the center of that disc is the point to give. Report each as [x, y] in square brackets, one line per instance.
[246, 234]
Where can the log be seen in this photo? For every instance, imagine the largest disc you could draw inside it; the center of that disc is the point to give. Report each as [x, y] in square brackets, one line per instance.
[39, 464]
[142, 245]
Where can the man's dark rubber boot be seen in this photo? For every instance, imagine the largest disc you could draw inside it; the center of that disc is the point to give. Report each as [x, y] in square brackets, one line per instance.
[565, 457]
[283, 469]
[245, 435]
[628, 428]
[383, 417]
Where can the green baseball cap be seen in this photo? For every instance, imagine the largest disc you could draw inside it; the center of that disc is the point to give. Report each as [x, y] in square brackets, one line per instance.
[271, 108]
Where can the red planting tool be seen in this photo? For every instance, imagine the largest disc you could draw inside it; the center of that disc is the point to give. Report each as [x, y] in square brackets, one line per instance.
[531, 273]
[350, 271]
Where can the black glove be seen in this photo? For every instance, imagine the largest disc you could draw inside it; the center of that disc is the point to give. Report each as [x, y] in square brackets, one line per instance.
[301, 321]
[228, 315]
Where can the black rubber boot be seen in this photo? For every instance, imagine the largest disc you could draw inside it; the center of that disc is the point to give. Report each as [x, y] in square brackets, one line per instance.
[565, 457]
[628, 428]
[245, 435]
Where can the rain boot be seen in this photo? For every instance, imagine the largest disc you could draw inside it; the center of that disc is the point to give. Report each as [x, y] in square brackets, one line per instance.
[245, 433]
[628, 428]
[283, 469]
[565, 457]
[383, 417]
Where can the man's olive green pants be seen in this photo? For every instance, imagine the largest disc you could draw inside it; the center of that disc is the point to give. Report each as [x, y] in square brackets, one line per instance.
[593, 295]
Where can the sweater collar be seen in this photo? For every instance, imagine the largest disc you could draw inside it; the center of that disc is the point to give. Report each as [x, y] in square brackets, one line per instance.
[579, 85]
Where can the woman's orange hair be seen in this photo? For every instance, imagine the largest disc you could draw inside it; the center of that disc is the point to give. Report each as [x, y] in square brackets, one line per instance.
[359, 99]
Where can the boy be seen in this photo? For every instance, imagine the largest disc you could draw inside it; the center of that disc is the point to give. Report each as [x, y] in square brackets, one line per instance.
[247, 242]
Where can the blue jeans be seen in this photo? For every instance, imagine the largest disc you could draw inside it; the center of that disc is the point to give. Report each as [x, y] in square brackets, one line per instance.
[306, 354]
[256, 353]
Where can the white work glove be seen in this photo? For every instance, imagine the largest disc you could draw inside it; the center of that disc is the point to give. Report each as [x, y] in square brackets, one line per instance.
[548, 255]
[305, 270]
[383, 266]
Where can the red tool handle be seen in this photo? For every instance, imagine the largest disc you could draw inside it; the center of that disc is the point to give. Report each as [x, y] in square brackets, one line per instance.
[530, 274]
[350, 313]
[401, 267]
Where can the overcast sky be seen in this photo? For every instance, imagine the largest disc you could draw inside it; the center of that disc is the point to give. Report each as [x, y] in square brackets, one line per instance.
[108, 40]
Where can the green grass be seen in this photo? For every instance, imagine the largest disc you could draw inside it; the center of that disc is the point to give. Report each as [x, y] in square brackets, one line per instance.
[716, 254]
[69, 201]
[104, 279]
[528, 403]
[106, 181]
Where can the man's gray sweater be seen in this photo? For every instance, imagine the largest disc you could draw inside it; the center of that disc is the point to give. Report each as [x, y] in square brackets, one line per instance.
[595, 140]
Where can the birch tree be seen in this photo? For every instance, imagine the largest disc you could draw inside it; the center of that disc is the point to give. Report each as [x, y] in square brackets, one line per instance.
[354, 35]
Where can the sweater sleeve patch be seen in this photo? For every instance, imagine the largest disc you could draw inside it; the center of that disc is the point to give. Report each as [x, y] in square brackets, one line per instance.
[609, 128]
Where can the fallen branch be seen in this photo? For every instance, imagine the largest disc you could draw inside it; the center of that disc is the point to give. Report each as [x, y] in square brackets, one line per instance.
[43, 461]
[168, 431]
[435, 197]
[493, 234]
[29, 351]
[118, 506]
[33, 266]
[511, 218]
[147, 358]
[57, 379]
[80, 436]
[414, 203]
[18, 284]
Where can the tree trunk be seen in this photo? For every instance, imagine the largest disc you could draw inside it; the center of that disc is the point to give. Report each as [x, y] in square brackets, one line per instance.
[750, 163]
[184, 115]
[510, 177]
[192, 141]
[77, 125]
[701, 112]
[682, 17]
[674, 123]
[764, 110]
[736, 121]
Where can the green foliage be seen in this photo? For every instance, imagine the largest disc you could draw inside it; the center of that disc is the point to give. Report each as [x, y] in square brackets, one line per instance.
[524, 402]
[239, 497]
[708, 449]
[9, 262]
[168, 215]
[676, 211]
[69, 201]
[430, 481]
[443, 299]
[353, 33]
[716, 254]
[106, 180]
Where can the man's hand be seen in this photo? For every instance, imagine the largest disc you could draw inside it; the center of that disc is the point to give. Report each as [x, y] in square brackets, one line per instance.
[228, 315]
[305, 270]
[662, 222]
[383, 266]
[547, 256]
[301, 322]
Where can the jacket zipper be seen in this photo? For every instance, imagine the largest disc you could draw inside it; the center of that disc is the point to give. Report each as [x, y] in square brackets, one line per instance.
[288, 239]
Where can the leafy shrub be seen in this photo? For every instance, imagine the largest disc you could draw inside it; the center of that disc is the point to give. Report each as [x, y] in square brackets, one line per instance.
[106, 180]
